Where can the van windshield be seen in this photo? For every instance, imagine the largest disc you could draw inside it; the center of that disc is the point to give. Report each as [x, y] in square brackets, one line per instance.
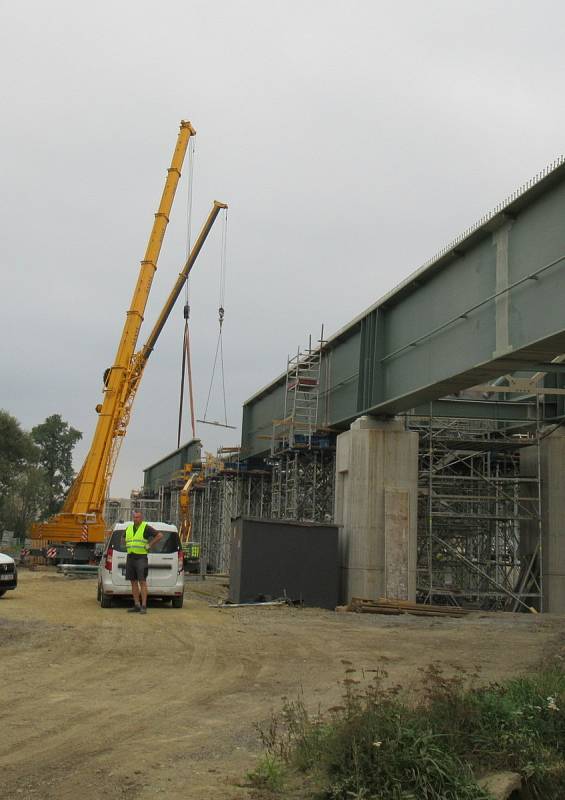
[169, 543]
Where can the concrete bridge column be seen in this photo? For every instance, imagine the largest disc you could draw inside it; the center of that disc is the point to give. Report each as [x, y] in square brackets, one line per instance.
[552, 474]
[376, 504]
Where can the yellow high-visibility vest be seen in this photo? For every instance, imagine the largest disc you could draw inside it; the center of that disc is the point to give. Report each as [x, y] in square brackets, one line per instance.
[135, 539]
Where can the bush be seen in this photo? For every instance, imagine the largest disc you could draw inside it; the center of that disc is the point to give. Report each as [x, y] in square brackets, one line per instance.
[378, 746]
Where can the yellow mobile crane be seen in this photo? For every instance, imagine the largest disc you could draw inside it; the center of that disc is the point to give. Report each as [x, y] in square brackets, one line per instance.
[81, 518]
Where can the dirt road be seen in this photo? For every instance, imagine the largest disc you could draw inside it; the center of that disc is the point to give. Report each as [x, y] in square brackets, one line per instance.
[105, 704]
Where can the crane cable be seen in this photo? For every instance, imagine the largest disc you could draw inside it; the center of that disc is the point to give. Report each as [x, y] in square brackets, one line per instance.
[186, 367]
[221, 314]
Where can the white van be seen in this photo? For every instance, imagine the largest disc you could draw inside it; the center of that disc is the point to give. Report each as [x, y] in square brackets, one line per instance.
[166, 566]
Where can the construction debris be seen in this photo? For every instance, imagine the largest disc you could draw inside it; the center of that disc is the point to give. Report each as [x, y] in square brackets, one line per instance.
[386, 606]
[281, 602]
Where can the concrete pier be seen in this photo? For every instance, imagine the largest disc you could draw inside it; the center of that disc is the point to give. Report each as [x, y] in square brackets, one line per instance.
[376, 505]
[552, 473]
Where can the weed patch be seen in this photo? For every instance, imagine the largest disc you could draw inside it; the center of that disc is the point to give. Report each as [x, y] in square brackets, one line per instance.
[377, 745]
[269, 774]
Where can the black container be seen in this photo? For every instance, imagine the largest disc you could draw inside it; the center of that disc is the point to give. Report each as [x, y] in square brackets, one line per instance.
[274, 558]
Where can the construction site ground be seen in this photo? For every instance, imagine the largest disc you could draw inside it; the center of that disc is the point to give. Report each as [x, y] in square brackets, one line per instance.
[105, 704]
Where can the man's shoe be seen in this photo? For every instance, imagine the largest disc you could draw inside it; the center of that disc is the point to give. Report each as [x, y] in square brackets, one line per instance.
[134, 609]
[143, 610]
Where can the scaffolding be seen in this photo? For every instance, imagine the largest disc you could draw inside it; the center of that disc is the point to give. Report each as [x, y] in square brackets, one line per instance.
[303, 484]
[121, 509]
[479, 521]
[217, 500]
[212, 510]
[295, 485]
[255, 494]
[479, 533]
[301, 399]
[479, 510]
[302, 454]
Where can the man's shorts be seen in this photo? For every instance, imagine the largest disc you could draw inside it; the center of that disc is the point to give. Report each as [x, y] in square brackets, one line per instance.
[137, 567]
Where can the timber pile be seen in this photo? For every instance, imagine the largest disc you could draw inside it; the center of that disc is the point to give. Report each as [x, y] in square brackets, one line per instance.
[385, 606]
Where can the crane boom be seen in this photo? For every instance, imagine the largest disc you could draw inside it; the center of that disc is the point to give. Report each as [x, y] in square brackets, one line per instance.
[85, 500]
[181, 280]
[90, 495]
[139, 360]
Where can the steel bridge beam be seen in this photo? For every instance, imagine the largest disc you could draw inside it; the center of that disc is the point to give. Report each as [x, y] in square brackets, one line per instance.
[489, 305]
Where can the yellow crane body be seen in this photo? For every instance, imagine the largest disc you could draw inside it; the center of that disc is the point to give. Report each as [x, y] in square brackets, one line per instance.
[81, 518]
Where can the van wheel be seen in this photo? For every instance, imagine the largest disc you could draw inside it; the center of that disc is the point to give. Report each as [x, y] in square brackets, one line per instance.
[105, 600]
[177, 602]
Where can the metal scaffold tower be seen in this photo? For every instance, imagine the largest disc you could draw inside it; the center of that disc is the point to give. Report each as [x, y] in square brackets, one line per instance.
[214, 505]
[302, 455]
[480, 524]
[303, 485]
[300, 401]
[254, 493]
[226, 492]
[297, 485]
[121, 510]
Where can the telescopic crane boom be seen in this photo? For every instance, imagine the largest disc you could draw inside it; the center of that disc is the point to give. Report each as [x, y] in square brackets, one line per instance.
[81, 518]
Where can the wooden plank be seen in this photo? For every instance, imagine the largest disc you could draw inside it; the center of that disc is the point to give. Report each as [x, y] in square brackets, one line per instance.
[388, 606]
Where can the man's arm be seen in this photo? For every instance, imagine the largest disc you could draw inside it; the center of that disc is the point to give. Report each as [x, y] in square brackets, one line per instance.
[155, 536]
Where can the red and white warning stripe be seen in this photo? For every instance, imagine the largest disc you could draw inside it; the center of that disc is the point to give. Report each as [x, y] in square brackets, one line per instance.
[25, 552]
[52, 552]
[84, 534]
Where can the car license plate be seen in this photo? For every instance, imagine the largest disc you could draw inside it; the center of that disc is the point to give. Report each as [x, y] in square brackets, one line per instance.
[6, 577]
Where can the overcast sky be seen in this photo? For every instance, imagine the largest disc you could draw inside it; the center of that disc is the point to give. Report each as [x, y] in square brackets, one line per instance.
[352, 140]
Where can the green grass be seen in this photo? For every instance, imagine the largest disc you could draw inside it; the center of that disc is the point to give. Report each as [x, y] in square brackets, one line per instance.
[269, 774]
[376, 745]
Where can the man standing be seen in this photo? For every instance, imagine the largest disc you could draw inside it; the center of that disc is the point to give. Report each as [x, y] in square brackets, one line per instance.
[140, 538]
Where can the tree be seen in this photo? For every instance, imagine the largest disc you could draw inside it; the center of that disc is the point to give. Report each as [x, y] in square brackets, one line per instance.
[56, 439]
[26, 501]
[16, 451]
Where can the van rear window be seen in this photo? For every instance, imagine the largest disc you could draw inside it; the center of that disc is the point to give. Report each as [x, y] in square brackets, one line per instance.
[170, 542]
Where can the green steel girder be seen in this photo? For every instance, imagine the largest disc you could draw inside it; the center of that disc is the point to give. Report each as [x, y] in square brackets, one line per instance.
[159, 474]
[489, 305]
